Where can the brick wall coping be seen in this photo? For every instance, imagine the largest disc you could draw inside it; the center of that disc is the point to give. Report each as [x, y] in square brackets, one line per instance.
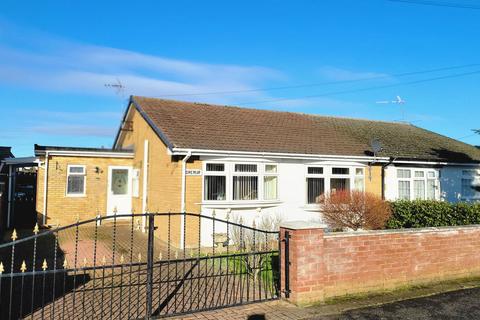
[302, 225]
[401, 231]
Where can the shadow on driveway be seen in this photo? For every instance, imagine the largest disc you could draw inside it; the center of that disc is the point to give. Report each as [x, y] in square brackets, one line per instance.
[462, 304]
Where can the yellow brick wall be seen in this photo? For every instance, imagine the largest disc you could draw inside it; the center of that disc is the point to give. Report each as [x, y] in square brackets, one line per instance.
[64, 209]
[373, 180]
[164, 181]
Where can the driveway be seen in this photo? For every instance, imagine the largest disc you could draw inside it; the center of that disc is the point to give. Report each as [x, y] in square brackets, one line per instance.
[462, 304]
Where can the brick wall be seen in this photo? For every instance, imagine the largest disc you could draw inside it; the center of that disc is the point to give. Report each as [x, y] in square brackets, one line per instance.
[326, 265]
[164, 181]
[65, 210]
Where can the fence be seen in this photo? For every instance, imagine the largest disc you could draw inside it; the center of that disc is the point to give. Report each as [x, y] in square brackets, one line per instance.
[111, 267]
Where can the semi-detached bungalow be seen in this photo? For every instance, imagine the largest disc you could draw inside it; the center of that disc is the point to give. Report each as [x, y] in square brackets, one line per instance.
[172, 156]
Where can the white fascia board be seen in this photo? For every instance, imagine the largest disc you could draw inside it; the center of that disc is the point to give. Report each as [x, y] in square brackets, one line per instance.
[436, 163]
[220, 153]
[26, 160]
[97, 154]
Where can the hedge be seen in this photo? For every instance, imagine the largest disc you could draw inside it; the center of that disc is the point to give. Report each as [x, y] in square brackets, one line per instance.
[427, 213]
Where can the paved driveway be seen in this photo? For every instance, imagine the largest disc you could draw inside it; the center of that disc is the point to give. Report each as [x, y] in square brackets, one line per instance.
[462, 304]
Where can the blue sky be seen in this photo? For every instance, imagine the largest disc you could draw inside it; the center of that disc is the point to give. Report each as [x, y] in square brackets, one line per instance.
[57, 56]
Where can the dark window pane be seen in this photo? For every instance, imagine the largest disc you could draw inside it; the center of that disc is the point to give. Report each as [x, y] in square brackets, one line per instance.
[315, 170]
[215, 188]
[340, 171]
[75, 184]
[315, 188]
[337, 184]
[76, 169]
[245, 188]
[215, 167]
[245, 168]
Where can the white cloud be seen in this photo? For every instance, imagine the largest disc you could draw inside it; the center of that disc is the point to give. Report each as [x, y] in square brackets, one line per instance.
[338, 74]
[74, 130]
[65, 66]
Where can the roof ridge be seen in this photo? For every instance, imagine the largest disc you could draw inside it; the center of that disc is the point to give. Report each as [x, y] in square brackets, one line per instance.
[276, 111]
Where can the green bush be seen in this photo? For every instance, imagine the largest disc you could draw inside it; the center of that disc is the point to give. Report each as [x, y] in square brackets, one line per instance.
[427, 213]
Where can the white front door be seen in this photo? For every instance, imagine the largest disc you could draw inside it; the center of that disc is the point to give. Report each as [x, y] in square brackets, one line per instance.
[119, 198]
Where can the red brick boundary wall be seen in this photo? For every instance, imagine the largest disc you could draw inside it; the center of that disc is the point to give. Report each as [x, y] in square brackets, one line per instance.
[325, 265]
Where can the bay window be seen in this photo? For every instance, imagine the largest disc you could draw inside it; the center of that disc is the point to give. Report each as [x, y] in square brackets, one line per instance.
[323, 179]
[240, 182]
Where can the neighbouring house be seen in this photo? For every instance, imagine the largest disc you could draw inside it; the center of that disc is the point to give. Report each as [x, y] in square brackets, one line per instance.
[5, 153]
[172, 156]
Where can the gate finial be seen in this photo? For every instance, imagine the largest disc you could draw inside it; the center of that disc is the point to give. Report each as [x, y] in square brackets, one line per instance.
[122, 259]
[84, 262]
[2, 269]
[139, 257]
[14, 235]
[23, 267]
[104, 260]
[65, 263]
[44, 264]
[35, 229]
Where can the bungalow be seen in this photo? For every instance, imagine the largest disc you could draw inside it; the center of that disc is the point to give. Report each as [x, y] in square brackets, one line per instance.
[181, 156]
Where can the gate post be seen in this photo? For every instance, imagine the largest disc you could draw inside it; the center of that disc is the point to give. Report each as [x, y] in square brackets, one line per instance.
[303, 268]
[150, 244]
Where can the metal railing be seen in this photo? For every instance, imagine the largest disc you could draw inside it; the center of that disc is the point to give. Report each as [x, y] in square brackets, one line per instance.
[136, 266]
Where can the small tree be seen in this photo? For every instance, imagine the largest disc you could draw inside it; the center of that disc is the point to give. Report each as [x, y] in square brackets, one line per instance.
[354, 210]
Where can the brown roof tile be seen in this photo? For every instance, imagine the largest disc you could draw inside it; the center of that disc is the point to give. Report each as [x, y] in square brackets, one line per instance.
[204, 126]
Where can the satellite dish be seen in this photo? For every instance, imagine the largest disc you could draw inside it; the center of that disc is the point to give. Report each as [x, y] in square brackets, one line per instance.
[376, 146]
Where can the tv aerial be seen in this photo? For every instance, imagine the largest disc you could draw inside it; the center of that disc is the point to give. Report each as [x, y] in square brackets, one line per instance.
[117, 86]
[376, 146]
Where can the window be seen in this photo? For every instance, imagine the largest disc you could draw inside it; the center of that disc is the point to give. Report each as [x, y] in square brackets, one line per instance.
[416, 184]
[467, 190]
[76, 180]
[331, 179]
[240, 182]
[340, 179]
[270, 182]
[359, 182]
[469, 179]
[315, 184]
[215, 182]
[245, 182]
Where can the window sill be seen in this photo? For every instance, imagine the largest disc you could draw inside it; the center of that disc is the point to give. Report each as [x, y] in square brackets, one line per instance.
[75, 195]
[240, 204]
[311, 207]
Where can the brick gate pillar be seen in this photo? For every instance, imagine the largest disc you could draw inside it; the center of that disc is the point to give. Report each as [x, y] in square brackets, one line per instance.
[307, 268]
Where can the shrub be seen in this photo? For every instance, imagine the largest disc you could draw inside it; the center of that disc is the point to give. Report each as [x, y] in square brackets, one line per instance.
[355, 210]
[429, 213]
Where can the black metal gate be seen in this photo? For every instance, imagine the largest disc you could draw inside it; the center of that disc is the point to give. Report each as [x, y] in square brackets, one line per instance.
[137, 266]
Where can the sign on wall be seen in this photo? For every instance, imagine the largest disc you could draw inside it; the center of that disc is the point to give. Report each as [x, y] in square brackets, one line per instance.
[193, 172]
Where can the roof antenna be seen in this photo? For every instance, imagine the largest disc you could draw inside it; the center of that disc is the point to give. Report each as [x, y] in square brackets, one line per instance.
[118, 87]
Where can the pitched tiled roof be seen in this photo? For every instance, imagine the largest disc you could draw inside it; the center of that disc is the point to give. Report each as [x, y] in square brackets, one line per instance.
[204, 126]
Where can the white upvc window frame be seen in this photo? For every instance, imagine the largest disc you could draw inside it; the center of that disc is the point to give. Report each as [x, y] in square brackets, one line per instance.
[230, 172]
[83, 174]
[474, 176]
[425, 178]
[328, 174]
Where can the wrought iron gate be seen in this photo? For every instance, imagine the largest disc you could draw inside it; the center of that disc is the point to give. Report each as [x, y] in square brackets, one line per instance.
[137, 266]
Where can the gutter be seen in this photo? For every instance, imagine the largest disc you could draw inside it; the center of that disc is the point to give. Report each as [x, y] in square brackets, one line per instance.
[183, 199]
[184, 186]
[45, 189]
[145, 183]
[383, 175]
